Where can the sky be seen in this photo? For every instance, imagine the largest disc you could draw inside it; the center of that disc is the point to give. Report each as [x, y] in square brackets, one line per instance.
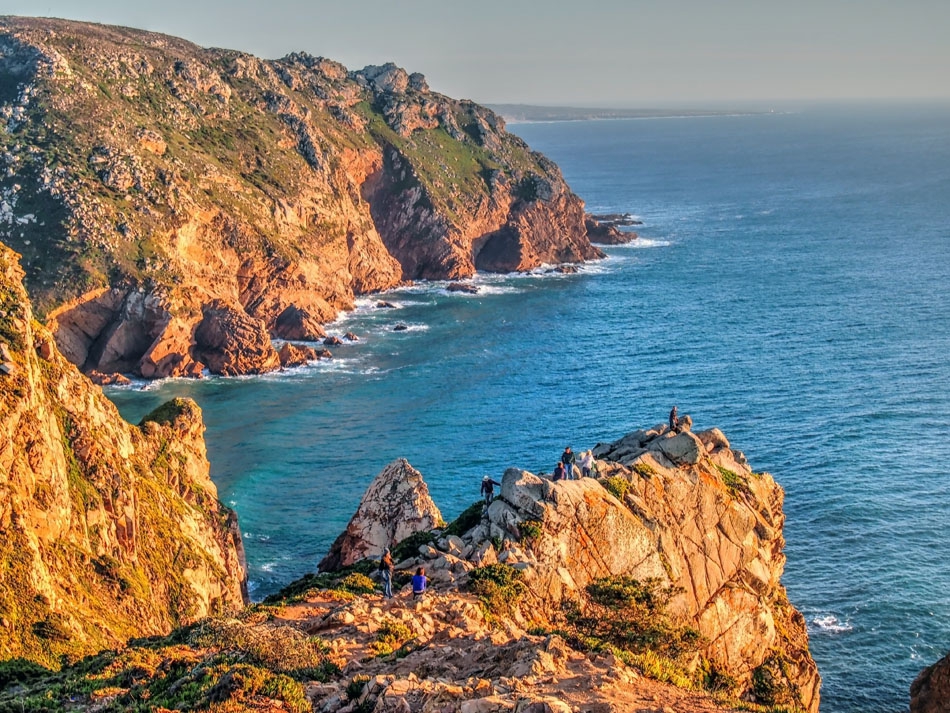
[619, 53]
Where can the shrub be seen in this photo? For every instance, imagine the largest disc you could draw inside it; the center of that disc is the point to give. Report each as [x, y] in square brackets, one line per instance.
[616, 486]
[644, 470]
[355, 687]
[530, 530]
[469, 518]
[19, 671]
[734, 482]
[409, 547]
[357, 583]
[629, 615]
[390, 636]
[771, 685]
[498, 586]
[280, 648]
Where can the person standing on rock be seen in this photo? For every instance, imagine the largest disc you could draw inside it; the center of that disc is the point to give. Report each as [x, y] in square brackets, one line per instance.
[587, 463]
[386, 569]
[560, 473]
[419, 583]
[569, 459]
[674, 421]
[488, 489]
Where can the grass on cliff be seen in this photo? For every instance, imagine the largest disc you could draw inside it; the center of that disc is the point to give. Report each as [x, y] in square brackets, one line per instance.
[349, 582]
[499, 588]
[224, 663]
[629, 617]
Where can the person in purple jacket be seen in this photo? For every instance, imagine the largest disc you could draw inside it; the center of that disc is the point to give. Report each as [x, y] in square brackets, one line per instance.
[419, 582]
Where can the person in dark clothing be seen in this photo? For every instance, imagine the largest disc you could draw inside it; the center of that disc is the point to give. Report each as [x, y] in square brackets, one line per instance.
[419, 582]
[386, 569]
[674, 421]
[560, 473]
[568, 459]
[488, 489]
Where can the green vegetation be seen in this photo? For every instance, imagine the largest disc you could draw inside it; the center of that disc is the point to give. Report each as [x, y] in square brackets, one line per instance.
[629, 618]
[343, 582]
[169, 411]
[499, 587]
[616, 485]
[734, 482]
[644, 470]
[409, 547]
[355, 687]
[469, 518]
[530, 530]
[229, 663]
[391, 636]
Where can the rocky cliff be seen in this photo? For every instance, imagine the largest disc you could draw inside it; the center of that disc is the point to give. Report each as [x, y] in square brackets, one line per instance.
[681, 510]
[107, 530]
[930, 691]
[177, 206]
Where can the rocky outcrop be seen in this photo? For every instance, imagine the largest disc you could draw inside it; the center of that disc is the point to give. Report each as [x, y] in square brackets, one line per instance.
[930, 691]
[107, 530]
[183, 179]
[680, 508]
[607, 232]
[395, 506]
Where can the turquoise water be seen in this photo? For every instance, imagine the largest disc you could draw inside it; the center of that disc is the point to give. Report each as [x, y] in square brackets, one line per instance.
[792, 288]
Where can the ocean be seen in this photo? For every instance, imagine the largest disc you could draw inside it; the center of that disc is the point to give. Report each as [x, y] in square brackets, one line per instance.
[791, 286]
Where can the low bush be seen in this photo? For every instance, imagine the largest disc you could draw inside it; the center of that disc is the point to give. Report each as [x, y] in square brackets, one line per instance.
[616, 486]
[469, 518]
[390, 636]
[530, 530]
[498, 586]
[409, 547]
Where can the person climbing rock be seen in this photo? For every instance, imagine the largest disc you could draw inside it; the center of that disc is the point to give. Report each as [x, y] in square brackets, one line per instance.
[569, 459]
[587, 463]
[386, 569]
[488, 489]
[560, 472]
[674, 421]
[419, 582]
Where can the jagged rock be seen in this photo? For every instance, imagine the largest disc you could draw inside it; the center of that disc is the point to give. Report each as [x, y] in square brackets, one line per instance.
[606, 233]
[351, 337]
[400, 328]
[332, 341]
[296, 354]
[100, 379]
[107, 530]
[296, 323]
[930, 691]
[231, 342]
[396, 505]
[462, 287]
[385, 305]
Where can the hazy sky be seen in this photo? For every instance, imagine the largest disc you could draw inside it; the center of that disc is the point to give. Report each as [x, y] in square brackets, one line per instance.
[587, 52]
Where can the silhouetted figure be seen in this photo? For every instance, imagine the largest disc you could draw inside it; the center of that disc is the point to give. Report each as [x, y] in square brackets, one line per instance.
[488, 489]
[386, 568]
[569, 459]
[674, 421]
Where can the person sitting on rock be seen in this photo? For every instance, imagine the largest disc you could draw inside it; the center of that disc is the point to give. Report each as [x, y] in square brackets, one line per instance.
[674, 421]
[560, 472]
[386, 569]
[419, 582]
[569, 459]
[488, 489]
[587, 463]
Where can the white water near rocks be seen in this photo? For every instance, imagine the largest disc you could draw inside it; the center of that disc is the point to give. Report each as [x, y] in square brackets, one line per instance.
[792, 287]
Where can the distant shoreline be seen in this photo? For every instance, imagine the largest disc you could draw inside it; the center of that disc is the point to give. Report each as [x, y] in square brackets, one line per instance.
[527, 113]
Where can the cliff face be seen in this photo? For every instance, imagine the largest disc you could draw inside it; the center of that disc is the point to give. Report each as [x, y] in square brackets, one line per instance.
[680, 509]
[107, 530]
[145, 178]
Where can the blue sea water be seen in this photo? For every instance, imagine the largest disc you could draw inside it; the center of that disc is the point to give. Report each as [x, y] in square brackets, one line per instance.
[791, 287]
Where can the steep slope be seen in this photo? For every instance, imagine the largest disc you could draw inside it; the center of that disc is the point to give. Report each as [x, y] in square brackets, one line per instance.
[107, 530]
[681, 510]
[146, 180]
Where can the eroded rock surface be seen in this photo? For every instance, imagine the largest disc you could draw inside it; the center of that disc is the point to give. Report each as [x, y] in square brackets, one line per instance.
[107, 530]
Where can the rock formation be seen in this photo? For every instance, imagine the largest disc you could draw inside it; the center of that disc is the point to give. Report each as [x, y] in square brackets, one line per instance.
[680, 508]
[395, 506]
[175, 206]
[930, 691]
[107, 530]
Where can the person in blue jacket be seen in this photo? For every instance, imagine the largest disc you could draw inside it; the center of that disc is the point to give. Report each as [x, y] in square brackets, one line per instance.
[419, 582]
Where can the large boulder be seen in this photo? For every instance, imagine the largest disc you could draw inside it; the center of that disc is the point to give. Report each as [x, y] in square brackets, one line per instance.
[230, 342]
[396, 505]
[930, 691]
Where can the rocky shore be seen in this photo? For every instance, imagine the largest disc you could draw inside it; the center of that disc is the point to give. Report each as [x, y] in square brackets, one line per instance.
[177, 207]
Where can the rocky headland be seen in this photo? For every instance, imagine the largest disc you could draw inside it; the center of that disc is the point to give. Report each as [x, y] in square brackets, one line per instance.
[653, 587]
[177, 207]
[107, 530]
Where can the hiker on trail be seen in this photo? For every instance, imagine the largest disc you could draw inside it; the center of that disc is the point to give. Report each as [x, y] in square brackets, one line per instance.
[587, 463]
[568, 459]
[419, 582]
[386, 568]
[560, 473]
[674, 421]
[488, 489]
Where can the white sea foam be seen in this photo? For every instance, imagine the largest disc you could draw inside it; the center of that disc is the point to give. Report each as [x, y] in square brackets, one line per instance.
[829, 623]
[643, 243]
